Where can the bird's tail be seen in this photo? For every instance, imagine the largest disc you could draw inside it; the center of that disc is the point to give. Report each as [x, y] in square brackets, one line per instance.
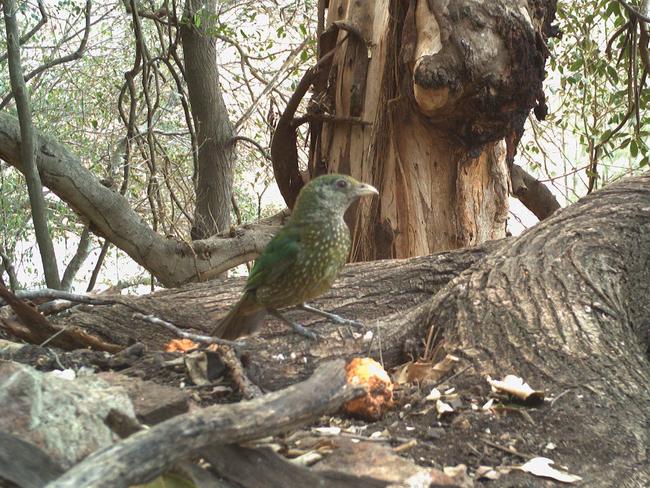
[244, 319]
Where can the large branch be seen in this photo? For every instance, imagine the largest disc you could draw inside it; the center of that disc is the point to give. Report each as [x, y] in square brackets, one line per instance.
[368, 292]
[111, 216]
[565, 307]
[147, 454]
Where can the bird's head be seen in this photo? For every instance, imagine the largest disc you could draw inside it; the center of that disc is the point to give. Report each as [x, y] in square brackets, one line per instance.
[332, 193]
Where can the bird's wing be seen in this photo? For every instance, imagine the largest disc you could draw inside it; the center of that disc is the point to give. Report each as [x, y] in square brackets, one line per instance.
[277, 257]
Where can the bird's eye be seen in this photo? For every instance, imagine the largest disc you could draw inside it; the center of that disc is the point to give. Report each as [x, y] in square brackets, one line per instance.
[342, 183]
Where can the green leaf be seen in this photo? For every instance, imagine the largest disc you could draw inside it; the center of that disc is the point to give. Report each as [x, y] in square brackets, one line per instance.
[613, 75]
[168, 480]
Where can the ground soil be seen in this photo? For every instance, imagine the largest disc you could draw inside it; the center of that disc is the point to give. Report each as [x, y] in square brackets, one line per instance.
[469, 435]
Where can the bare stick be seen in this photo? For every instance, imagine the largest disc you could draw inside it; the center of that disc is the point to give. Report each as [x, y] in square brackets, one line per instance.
[247, 388]
[202, 339]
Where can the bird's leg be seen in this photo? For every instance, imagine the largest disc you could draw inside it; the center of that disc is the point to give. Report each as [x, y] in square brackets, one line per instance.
[310, 334]
[337, 319]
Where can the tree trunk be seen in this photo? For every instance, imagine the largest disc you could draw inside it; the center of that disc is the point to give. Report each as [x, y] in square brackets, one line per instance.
[423, 94]
[27, 149]
[214, 178]
[563, 305]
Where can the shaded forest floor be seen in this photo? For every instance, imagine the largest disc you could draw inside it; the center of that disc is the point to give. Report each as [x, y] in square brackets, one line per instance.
[477, 436]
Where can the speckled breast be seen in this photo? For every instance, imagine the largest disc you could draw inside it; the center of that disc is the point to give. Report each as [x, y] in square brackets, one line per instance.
[324, 249]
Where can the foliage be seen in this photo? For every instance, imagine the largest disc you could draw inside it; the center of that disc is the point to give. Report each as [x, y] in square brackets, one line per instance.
[262, 48]
[596, 131]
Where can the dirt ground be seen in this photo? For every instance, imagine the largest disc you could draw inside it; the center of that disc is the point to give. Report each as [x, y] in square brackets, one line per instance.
[471, 435]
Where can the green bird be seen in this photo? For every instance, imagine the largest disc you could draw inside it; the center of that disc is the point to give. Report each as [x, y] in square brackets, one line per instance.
[302, 261]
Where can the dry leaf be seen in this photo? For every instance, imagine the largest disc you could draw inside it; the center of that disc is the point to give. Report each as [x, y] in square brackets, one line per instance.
[459, 475]
[515, 386]
[446, 365]
[307, 459]
[180, 345]
[488, 405]
[196, 364]
[487, 472]
[541, 466]
[443, 408]
[422, 371]
[433, 396]
[327, 430]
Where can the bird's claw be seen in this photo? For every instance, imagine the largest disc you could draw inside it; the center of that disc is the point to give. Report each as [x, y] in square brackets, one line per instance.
[341, 321]
[309, 334]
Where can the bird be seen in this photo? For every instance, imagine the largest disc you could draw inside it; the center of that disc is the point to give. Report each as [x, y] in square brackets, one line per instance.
[302, 261]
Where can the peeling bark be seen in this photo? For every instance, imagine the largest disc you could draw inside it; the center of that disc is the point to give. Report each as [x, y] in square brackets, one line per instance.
[438, 86]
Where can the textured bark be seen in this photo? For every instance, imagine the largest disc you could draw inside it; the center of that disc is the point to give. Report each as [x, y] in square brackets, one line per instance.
[213, 127]
[368, 291]
[564, 305]
[437, 86]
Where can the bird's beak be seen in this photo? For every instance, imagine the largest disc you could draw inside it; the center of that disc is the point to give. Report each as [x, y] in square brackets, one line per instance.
[363, 189]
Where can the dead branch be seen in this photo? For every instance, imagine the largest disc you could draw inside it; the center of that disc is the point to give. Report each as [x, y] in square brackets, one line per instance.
[25, 464]
[43, 295]
[284, 153]
[533, 194]
[35, 328]
[147, 454]
[202, 339]
[247, 388]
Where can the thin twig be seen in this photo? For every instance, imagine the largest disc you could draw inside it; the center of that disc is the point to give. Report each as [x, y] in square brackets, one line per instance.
[509, 450]
[61, 60]
[203, 339]
[28, 35]
[247, 388]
